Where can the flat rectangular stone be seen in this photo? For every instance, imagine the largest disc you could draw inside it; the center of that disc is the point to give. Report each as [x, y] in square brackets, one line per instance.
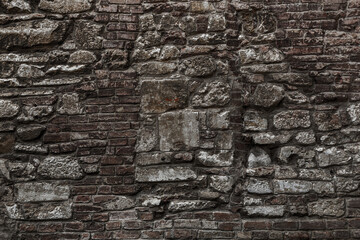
[164, 174]
[45, 211]
[265, 211]
[292, 186]
[144, 159]
[38, 192]
[161, 96]
[179, 130]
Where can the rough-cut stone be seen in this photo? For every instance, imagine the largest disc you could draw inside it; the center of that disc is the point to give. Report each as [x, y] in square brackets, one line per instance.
[199, 66]
[323, 187]
[305, 137]
[258, 158]
[216, 23]
[70, 104]
[60, 167]
[16, 6]
[292, 119]
[315, 174]
[164, 174]
[188, 24]
[8, 109]
[253, 121]
[65, 6]
[223, 158]
[31, 113]
[256, 54]
[190, 205]
[46, 211]
[32, 33]
[292, 186]
[333, 156]
[28, 71]
[141, 55]
[212, 94]
[346, 184]
[144, 159]
[32, 148]
[285, 153]
[146, 22]
[82, 56]
[169, 52]
[297, 79]
[219, 119]
[327, 121]
[30, 132]
[161, 96]
[41, 191]
[201, 7]
[147, 140]
[221, 183]
[182, 137]
[118, 203]
[271, 138]
[257, 186]
[265, 211]
[87, 34]
[7, 142]
[268, 95]
[354, 113]
[156, 68]
[327, 207]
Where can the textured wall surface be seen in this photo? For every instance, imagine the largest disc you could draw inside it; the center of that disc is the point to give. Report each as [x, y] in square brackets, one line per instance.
[182, 119]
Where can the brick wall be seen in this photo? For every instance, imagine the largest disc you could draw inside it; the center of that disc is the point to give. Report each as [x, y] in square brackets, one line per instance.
[156, 119]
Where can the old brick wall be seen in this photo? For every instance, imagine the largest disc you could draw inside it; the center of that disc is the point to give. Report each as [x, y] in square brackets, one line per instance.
[182, 119]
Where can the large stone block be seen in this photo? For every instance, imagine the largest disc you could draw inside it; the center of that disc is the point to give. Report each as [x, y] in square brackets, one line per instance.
[45, 211]
[333, 156]
[41, 191]
[179, 130]
[223, 158]
[265, 211]
[161, 96]
[32, 33]
[65, 6]
[327, 207]
[60, 167]
[292, 119]
[164, 174]
[292, 186]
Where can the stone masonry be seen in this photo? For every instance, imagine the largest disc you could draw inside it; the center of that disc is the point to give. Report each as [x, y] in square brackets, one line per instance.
[179, 119]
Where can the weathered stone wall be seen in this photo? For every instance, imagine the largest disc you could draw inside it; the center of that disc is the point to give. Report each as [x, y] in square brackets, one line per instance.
[183, 119]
